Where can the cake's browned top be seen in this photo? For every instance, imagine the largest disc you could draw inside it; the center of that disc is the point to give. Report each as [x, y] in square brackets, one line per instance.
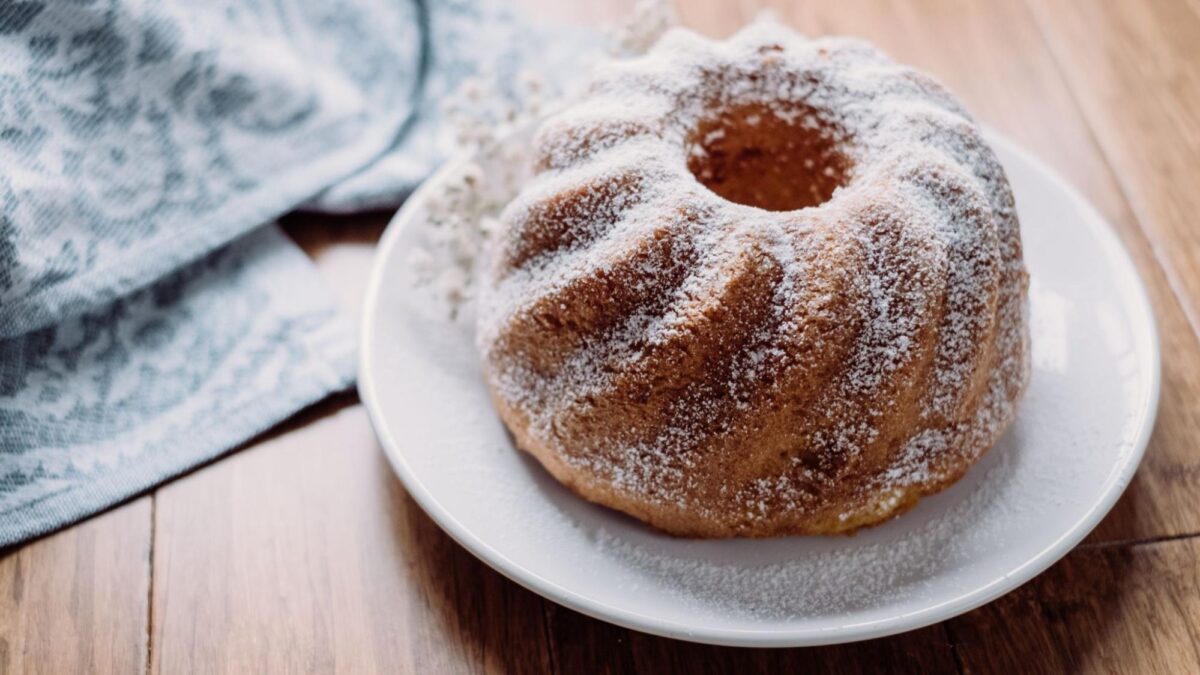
[761, 286]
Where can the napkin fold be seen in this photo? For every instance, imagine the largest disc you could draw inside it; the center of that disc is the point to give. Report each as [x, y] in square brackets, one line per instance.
[151, 316]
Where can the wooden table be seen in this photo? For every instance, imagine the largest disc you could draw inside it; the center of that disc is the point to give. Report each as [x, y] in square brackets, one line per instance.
[302, 552]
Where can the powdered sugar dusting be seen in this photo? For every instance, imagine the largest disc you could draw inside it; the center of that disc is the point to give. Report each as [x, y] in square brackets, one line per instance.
[900, 289]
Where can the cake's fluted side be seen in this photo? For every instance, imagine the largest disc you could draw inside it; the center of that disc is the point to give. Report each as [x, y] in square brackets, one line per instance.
[718, 369]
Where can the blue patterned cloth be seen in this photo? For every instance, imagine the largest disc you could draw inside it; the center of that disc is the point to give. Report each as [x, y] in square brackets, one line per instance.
[151, 315]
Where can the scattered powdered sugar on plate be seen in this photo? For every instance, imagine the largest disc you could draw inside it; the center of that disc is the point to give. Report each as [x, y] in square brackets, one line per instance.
[842, 579]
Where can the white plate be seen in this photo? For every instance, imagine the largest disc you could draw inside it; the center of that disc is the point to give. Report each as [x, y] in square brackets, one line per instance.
[1080, 434]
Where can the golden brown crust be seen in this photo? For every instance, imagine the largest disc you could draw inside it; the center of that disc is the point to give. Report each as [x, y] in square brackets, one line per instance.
[683, 523]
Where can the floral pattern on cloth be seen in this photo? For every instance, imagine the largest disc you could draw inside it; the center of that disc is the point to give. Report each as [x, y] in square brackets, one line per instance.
[151, 317]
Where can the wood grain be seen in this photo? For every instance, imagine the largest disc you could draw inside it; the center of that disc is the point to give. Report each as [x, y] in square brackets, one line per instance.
[1130, 609]
[1135, 69]
[584, 645]
[75, 601]
[306, 555]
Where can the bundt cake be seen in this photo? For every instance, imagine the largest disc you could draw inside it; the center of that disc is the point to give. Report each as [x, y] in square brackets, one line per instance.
[758, 287]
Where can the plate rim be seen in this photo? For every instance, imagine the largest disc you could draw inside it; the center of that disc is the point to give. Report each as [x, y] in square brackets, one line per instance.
[980, 595]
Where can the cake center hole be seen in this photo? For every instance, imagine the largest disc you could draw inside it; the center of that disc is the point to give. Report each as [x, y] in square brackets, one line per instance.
[778, 161]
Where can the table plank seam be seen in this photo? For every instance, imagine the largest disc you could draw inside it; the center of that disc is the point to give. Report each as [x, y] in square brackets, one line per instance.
[150, 583]
[1132, 543]
[551, 655]
[1128, 195]
[959, 667]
